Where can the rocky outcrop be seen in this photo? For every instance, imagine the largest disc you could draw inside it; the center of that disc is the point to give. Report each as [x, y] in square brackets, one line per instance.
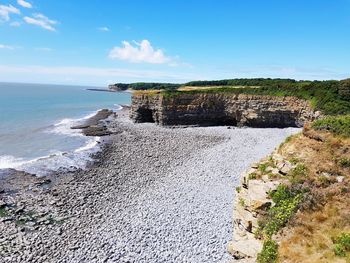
[208, 109]
[252, 202]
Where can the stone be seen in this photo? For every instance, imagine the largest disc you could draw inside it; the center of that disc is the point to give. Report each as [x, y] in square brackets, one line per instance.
[245, 248]
[220, 109]
[340, 179]
[257, 194]
[284, 167]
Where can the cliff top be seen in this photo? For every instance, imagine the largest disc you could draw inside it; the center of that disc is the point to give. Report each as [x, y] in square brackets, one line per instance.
[330, 97]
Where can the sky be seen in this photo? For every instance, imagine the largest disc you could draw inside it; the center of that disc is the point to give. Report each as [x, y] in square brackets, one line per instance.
[98, 42]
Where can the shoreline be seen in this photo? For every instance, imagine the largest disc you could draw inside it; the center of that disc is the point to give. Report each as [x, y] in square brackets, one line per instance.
[152, 194]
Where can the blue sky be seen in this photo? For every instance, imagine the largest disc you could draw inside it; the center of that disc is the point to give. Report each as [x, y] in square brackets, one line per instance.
[98, 42]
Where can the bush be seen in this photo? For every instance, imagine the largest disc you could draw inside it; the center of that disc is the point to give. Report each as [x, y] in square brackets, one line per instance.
[339, 125]
[269, 252]
[342, 244]
[344, 162]
[299, 173]
[286, 203]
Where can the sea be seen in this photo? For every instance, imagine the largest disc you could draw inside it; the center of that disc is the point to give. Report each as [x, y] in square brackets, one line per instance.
[36, 120]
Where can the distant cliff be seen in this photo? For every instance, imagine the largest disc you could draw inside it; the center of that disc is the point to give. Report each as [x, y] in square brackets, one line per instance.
[206, 109]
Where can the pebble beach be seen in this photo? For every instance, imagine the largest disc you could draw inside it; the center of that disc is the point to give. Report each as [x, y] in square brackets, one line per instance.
[153, 194]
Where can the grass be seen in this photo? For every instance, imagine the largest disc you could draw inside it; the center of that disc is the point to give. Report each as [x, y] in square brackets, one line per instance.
[269, 252]
[342, 245]
[241, 201]
[344, 162]
[324, 215]
[338, 125]
[298, 174]
[286, 202]
[3, 212]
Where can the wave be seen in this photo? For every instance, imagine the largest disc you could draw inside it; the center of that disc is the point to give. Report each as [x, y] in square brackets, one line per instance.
[57, 160]
[9, 161]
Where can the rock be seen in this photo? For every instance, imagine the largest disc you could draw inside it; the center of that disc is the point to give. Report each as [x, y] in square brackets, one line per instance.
[257, 194]
[2, 204]
[236, 254]
[245, 248]
[340, 179]
[220, 109]
[284, 167]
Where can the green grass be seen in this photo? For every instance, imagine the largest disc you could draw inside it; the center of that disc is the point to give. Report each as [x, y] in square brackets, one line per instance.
[344, 162]
[338, 125]
[269, 252]
[286, 203]
[342, 244]
[3, 212]
[298, 174]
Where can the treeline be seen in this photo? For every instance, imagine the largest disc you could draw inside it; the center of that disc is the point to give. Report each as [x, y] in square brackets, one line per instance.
[243, 82]
[146, 86]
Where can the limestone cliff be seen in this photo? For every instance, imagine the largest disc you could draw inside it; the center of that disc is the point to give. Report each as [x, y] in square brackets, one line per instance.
[220, 109]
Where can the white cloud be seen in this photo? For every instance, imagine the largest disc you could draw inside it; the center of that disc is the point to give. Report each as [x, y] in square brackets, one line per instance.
[104, 29]
[15, 24]
[42, 21]
[5, 12]
[6, 47]
[141, 52]
[88, 75]
[24, 4]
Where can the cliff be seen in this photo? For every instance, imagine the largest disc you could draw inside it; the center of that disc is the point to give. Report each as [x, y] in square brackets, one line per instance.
[208, 109]
[293, 206]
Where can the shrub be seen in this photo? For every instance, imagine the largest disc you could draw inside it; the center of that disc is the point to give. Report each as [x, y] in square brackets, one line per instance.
[342, 244]
[3, 212]
[339, 125]
[286, 203]
[269, 252]
[238, 189]
[344, 162]
[262, 167]
[241, 201]
[252, 176]
[299, 173]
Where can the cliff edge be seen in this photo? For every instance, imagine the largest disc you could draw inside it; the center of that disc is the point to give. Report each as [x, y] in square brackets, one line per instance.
[209, 109]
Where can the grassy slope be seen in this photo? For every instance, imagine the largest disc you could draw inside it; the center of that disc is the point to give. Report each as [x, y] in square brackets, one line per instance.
[324, 214]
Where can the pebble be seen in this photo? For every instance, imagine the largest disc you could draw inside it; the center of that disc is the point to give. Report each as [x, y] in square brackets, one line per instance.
[153, 195]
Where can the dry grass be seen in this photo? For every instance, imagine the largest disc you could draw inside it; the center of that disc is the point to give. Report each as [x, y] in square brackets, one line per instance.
[327, 214]
[190, 88]
[147, 92]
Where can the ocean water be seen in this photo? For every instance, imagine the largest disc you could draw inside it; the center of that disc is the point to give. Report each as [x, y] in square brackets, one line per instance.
[35, 121]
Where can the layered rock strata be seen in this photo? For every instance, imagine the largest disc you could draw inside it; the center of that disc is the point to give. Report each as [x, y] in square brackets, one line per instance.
[206, 109]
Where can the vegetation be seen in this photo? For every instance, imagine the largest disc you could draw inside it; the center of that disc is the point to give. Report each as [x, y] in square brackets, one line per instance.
[339, 125]
[342, 244]
[286, 202]
[147, 86]
[269, 252]
[244, 82]
[321, 175]
[3, 212]
[330, 97]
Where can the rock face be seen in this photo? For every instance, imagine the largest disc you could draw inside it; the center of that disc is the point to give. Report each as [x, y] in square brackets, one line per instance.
[252, 202]
[206, 109]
